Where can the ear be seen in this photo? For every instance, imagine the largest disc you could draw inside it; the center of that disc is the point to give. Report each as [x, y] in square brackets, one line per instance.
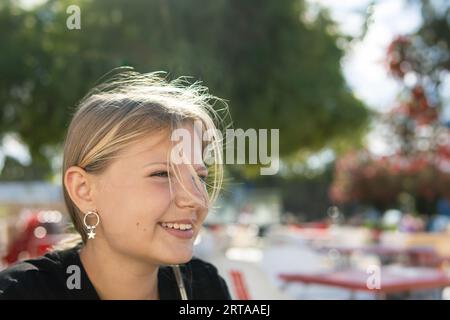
[80, 187]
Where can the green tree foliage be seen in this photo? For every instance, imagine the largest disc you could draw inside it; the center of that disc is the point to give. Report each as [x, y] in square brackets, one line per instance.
[275, 68]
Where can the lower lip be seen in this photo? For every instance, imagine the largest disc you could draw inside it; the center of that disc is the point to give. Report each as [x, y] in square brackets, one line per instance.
[182, 234]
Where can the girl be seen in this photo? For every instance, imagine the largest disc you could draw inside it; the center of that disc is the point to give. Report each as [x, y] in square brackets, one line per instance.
[137, 210]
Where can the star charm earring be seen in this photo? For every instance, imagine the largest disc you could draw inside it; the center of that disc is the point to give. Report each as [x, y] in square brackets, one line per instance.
[91, 234]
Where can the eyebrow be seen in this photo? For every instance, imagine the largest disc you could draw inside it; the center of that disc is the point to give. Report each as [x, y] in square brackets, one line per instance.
[200, 167]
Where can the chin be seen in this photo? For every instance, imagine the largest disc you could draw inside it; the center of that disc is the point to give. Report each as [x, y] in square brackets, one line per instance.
[180, 258]
[174, 261]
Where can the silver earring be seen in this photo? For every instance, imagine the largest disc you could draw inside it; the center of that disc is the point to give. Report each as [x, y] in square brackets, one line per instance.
[91, 228]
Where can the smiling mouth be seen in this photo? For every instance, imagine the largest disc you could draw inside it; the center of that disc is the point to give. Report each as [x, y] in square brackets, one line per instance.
[177, 226]
[182, 229]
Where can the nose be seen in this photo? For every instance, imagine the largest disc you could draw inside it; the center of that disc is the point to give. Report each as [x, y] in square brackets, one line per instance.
[188, 192]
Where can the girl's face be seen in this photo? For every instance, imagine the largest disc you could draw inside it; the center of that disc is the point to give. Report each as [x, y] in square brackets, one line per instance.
[139, 207]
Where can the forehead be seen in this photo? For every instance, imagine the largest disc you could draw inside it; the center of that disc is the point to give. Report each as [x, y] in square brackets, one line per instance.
[157, 146]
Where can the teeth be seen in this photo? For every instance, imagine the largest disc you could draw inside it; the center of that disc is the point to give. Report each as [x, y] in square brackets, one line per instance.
[179, 226]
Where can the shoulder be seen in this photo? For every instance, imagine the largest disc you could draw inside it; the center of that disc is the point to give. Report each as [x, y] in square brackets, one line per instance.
[206, 281]
[34, 278]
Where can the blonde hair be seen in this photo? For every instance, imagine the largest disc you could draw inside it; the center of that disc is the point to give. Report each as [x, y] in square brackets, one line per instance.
[128, 106]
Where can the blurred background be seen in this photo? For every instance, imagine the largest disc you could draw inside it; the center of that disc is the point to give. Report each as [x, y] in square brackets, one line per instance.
[360, 89]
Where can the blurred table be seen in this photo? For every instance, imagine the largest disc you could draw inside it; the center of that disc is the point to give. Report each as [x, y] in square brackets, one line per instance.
[393, 279]
[411, 255]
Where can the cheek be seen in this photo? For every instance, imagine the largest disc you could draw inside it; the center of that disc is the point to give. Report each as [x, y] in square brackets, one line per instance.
[140, 207]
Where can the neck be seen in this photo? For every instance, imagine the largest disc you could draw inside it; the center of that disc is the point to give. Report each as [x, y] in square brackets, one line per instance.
[117, 276]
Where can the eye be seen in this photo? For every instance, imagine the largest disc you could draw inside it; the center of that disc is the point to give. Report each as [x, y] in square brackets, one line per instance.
[165, 174]
[161, 174]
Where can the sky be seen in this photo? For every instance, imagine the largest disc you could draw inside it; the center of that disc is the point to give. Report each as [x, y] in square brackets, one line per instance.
[362, 65]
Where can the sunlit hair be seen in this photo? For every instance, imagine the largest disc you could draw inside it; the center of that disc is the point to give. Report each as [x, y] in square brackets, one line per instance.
[129, 106]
